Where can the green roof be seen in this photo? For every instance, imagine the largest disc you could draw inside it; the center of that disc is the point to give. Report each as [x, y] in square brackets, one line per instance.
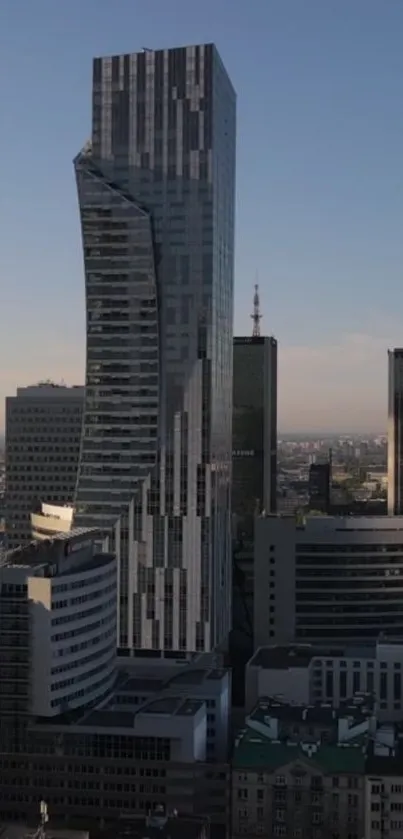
[255, 751]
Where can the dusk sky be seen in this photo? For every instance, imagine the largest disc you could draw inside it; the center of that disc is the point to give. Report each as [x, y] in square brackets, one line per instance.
[319, 184]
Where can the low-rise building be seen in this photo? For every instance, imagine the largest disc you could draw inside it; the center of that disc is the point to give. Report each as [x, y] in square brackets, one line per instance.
[299, 771]
[306, 673]
[327, 579]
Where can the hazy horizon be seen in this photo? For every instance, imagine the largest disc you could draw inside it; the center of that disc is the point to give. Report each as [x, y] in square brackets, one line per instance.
[319, 186]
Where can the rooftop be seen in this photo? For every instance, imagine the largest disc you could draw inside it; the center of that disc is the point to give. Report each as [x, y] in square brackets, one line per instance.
[321, 713]
[189, 676]
[156, 825]
[28, 553]
[300, 655]
[254, 751]
[135, 684]
[22, 831]
[281, 658]
[165, 705]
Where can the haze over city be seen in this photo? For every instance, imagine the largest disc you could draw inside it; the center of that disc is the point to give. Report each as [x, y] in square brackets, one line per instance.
[319, 197]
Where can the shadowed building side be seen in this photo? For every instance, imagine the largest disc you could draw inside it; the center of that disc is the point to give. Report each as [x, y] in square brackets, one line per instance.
[395, 432]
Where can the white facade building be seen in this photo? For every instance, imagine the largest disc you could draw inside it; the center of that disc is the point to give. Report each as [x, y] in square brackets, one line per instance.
[158, 241]
[71, 593]
[43, 434]
[306, 674]
[328, 579]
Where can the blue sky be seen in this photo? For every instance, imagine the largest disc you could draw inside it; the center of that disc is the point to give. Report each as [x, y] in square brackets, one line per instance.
[319, 184]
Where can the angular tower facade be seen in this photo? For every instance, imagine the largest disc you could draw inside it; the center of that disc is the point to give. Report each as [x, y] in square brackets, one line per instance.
[156, 188]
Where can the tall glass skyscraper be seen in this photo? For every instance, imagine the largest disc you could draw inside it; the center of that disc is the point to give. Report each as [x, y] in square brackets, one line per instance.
[156, 188]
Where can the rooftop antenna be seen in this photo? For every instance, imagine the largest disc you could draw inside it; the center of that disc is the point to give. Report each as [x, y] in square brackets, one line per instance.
[256, 316]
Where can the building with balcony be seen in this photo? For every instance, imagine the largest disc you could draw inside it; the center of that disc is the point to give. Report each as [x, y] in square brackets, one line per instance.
[299, 771]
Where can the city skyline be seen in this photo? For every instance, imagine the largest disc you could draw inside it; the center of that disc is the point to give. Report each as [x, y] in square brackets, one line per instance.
[317, 220]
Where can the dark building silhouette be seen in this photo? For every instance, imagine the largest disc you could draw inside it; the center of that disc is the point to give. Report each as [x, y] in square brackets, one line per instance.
[254, 476]
[395, 432]
[254, 432]
[319, 487]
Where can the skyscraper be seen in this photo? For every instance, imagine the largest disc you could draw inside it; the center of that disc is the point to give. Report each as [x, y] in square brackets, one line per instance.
[395, 432]
[254, 464]
[156, 191]
[43, 432]
[319, 487]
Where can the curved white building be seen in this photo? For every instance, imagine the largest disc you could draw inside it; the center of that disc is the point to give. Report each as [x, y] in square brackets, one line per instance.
[71, 592]
[51, 519]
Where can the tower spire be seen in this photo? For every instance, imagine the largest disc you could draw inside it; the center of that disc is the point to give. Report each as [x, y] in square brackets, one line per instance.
[256, 316]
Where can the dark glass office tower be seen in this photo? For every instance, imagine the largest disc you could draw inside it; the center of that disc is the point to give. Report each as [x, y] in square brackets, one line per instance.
[156, 191]
[395, 432]
[319, 487]
[254, 456]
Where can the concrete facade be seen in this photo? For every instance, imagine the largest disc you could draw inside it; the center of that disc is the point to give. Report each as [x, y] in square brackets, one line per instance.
[326, 579]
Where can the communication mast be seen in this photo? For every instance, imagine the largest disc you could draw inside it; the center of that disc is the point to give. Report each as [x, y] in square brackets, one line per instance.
[256, 316]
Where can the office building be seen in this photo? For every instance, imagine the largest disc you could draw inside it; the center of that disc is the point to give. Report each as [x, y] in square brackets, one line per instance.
[160, 726]
[57, 627]
[384, 790]
[254, 475]
[309, 673]
[319, 487]
[43, 433]
[156, 191]
[395, 432]
[254, 431]
[326, 579]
